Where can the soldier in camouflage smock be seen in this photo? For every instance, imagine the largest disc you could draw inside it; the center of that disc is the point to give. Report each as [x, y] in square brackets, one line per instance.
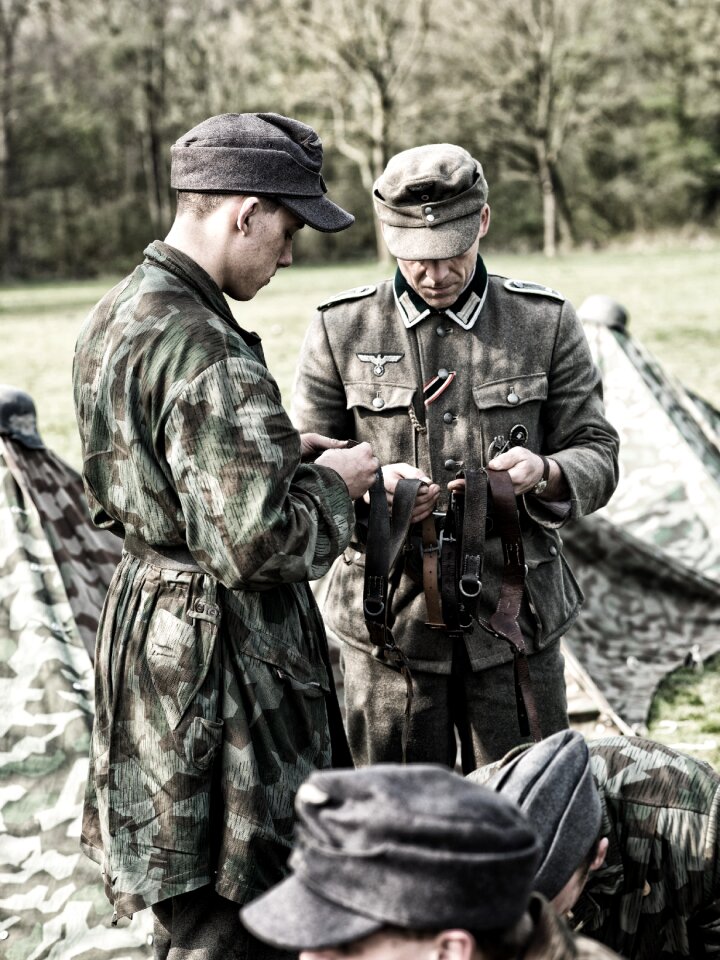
[647, 862]
[210, 681]
[444, 367]
[394, 862]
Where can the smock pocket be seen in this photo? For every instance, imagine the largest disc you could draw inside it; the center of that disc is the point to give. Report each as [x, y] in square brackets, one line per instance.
[179, 654]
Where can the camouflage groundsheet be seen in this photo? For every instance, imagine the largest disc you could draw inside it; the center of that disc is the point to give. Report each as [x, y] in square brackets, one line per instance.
[52, 905]
[649, 562]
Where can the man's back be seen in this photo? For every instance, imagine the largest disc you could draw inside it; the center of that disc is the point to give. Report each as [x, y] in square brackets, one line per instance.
[655, 895]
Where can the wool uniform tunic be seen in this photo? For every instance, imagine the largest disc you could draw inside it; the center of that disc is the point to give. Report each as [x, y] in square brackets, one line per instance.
[524, 361]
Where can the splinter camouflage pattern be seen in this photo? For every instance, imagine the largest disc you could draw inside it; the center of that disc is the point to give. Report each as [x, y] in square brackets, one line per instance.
[649, 562]
[209, 685]
[657, 897]
[54, 569]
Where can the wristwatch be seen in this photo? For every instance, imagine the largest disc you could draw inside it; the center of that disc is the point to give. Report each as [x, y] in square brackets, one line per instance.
[542, 483]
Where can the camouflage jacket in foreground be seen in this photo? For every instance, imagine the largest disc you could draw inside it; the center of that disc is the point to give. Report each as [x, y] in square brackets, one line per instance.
[657, 896]
[209, 685]
[524, 362]
[552, 940]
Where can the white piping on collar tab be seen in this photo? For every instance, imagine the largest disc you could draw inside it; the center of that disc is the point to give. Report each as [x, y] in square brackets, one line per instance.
[466, 317]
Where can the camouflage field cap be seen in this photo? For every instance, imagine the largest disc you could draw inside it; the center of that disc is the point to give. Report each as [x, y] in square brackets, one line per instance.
[552, 783]
[259, 153]
[413, 846]
[429, 200]
[18, 418]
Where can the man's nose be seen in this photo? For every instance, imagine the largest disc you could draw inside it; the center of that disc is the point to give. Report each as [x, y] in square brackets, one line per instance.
[286, 257]
[436, 270]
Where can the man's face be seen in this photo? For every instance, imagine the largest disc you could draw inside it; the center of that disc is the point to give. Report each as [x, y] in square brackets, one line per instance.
[383, 945]
[440, 282]
[563, 902]
[256, 256]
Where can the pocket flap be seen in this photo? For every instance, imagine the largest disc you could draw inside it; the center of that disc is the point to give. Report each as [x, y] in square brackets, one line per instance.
[511, 392]
[378, 396]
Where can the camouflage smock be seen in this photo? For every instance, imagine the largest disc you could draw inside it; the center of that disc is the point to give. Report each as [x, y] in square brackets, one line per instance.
[657, 896]
[210, 707]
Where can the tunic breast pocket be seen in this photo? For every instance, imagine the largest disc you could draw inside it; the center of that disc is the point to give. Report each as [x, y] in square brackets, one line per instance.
[507, 403]
[381, 412]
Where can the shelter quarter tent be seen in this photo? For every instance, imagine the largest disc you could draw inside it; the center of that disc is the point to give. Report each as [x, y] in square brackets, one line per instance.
[55, 568]
[648, 562]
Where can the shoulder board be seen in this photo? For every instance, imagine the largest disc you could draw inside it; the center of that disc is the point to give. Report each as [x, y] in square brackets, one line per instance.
[525, 286]
[356, 293]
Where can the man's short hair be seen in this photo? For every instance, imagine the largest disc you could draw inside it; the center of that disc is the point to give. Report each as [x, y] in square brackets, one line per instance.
[201, 205]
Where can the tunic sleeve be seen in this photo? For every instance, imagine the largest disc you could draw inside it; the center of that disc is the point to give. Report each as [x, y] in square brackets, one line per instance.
[319, 402]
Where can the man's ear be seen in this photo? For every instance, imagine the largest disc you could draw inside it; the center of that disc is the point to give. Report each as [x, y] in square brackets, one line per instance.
[246, 213]
[600, 854]
[453, 945]
[484, 221]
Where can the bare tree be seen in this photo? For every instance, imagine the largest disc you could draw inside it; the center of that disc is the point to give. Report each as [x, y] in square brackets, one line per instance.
[355, 65]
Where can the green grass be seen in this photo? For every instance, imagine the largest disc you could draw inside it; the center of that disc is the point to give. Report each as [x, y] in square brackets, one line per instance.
[671, 295]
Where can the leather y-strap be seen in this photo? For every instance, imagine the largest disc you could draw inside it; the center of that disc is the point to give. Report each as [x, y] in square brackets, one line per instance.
[473, 541]
[504, 621]
[431, 582]
[386, 538]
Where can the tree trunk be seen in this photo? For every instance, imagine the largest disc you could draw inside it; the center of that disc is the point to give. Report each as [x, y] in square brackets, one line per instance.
[549, 203]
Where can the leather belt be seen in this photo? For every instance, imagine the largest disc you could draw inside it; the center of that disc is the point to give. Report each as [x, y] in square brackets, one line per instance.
[167, 558]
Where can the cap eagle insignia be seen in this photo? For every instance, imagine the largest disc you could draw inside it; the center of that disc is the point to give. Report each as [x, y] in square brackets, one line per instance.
[379, 360]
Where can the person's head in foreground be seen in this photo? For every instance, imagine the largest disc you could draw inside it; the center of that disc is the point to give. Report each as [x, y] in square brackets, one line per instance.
[552, 783]
[432, 204]
[395, 862]
[247, 182]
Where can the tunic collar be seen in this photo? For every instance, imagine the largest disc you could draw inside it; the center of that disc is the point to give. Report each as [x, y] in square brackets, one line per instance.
[464, 311]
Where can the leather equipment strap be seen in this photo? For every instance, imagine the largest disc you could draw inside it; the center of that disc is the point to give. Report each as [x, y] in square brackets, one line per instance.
[504, 621]
[386, 539]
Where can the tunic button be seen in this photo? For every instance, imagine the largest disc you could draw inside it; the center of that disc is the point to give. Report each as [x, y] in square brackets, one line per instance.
[448, 417]
[443, 374]
[378, 403]
[552, 550]
[428, 209]
[513, 398]
[200, 606]
[4, 935]
[430, 217]
[441, 331]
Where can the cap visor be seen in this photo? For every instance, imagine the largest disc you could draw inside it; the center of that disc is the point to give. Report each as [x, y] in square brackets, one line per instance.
[292, 917]
[432, 243]
[319, 213]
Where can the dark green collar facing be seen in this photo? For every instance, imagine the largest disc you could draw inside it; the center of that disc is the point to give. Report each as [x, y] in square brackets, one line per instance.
[464, 311]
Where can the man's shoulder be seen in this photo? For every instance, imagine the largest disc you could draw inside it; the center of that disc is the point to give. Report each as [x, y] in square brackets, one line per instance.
[349, 301]
[524, 288]
[643, 771]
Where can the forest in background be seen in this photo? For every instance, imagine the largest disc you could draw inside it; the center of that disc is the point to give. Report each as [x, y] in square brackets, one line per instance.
[593, 121]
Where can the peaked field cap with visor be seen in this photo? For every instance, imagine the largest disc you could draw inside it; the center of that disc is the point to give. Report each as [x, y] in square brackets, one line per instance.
[429, 200]
[259, 153]
[413, 846]
[553, 785]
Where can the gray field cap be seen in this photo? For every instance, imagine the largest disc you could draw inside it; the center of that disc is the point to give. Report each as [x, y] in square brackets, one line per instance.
[259, 153]
[552, 783]
[417, 847]
[429, 200]
[18, 419]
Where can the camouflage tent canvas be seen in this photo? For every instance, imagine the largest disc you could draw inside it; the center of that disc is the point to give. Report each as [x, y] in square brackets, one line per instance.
[649, 562]
[55, 569]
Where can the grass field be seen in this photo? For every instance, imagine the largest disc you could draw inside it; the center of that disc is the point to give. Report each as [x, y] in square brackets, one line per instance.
[672, 296]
